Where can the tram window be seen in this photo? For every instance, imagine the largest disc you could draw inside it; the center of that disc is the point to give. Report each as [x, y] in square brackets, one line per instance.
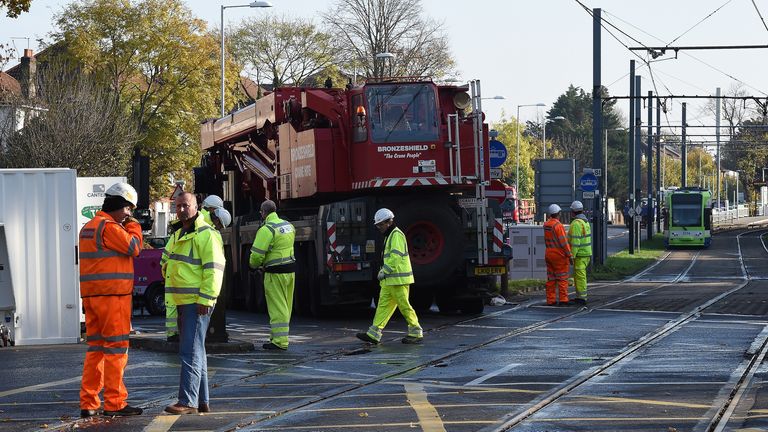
[687, 210]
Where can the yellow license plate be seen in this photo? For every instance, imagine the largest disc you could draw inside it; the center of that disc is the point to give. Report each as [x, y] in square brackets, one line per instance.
[500, 270]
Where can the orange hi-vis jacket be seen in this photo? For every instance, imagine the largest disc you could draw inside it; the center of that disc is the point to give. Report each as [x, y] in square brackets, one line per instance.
[555, 238]
[107, 249]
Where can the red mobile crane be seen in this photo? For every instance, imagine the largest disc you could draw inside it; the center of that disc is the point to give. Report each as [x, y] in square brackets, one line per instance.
[330, 158]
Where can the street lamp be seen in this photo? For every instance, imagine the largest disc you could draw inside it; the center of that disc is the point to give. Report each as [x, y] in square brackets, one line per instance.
[517, 158]
[544, 134]
[255, 4]
[383, 57]
[497, 97]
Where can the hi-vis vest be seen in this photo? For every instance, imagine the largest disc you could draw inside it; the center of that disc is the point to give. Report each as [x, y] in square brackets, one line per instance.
[273, 245]
[397, 265]
[206, 216]
[193, 265]
[580, 236]
[106, 256]
[554, 238]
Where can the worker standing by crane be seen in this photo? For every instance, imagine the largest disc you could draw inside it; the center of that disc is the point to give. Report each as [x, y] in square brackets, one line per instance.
[272, 250]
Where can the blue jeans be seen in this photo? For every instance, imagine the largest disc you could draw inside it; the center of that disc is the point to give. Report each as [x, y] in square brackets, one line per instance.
[193, 385]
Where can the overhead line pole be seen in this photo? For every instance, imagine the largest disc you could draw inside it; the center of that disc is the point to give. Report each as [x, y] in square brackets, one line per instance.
[649, 167]
[631, 157]
[638, 180]
[684, 156]
[659, 159]
[599, 231]
[717, 138]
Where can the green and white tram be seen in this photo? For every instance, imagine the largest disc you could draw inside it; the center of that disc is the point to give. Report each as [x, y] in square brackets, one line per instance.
[688, 217]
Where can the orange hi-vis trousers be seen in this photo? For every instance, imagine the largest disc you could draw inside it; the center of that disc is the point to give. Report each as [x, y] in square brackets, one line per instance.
[557, 276]
[107, 326]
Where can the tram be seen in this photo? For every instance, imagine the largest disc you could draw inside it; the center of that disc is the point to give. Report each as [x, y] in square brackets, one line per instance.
[688, 217]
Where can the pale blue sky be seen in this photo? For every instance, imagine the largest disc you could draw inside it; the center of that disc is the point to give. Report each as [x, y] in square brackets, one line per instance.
[529, 51]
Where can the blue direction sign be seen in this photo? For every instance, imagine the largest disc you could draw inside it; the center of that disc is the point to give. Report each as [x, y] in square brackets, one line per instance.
[588, 182]
[498, 153]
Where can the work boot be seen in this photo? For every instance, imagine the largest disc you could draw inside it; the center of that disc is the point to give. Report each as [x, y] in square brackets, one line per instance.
[203, 408]
[365, 337]
[180, 409]
[579, 301]
[126, 411]
[173, 338]
[412, 340]
[565, 303]
[271, 346]
[85, 413]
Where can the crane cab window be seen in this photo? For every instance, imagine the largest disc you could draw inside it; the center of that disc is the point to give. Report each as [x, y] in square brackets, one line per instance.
[402, 113]
[359, 119]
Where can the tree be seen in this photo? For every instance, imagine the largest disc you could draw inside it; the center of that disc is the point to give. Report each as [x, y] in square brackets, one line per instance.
[15, 7]
[528, 152]
[572, 137]
[74, 123]
[286, 51]
[369, 27]
[160, 61]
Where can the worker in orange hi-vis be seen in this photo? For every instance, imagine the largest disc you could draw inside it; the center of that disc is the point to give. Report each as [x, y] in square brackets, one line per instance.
[558, 257]
[108, 244]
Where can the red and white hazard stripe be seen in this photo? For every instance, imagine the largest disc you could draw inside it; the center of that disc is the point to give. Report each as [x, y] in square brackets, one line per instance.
[498, 235]
[333, 247]
[397, 182]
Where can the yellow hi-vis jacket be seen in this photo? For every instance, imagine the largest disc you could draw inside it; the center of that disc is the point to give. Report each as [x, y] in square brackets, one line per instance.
[273, 245]
[193, 265]
[396, 269]
[206, 216]
[580, 236]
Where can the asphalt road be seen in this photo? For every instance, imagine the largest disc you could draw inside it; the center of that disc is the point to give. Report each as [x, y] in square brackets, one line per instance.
[677, 347]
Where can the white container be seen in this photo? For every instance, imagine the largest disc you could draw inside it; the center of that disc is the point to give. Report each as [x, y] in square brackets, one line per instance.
[37, 209]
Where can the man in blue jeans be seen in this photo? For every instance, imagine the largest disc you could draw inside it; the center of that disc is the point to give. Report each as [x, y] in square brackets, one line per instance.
[193, 266]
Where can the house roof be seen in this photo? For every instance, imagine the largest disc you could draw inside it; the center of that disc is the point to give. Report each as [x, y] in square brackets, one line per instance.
[9, 86]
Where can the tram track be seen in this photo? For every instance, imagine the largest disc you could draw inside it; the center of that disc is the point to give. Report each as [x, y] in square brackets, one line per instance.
[720, 421]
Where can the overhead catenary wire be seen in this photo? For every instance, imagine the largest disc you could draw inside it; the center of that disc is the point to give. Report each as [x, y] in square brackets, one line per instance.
[700, 21]
[757, 9]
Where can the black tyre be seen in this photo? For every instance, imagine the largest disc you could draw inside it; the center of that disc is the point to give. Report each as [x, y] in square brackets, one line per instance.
[154, 299]
[435, 240]
[421, 299]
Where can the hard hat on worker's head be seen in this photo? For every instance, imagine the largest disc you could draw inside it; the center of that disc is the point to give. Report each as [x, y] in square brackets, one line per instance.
[124, 191]
[223, 216]
[213, 201]
[553, 209]
[382, 214]
[577, 206]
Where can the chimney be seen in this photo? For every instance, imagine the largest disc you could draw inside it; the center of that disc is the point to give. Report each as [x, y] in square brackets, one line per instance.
[27, 75]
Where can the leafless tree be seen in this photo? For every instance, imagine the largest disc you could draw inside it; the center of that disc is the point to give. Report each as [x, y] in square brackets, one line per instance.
[370, 27]
[733, 111]
[286, 50]
[72, 123]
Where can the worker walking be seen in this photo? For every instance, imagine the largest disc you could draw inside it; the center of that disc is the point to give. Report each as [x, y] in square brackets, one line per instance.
[211, 204]
[272, 251]
[395, 278]
[580, 240]
[193, 267]
[108, 244]
[558, 256]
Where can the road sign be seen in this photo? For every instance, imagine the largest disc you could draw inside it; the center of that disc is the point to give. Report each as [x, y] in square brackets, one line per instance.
[588, 182]
[597, 172]
[586, 195]
[495, 173]
[498, 153]
[639, 209]
[507, 206]
[178, 190]
[631, 212]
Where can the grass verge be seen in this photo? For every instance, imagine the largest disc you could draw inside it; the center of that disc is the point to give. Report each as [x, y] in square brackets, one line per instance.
[623, 264]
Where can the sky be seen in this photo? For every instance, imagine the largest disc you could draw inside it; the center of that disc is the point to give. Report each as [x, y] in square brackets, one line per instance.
[530, 51]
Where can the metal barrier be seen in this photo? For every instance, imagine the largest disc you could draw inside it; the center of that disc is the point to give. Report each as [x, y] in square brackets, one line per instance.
[729, 215]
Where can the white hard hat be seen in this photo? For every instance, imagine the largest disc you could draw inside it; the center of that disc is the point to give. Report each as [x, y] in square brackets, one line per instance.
[577, 206]
[213, 201]
[223, 215]
[382, 214]
[553, 209]
[125, 191]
